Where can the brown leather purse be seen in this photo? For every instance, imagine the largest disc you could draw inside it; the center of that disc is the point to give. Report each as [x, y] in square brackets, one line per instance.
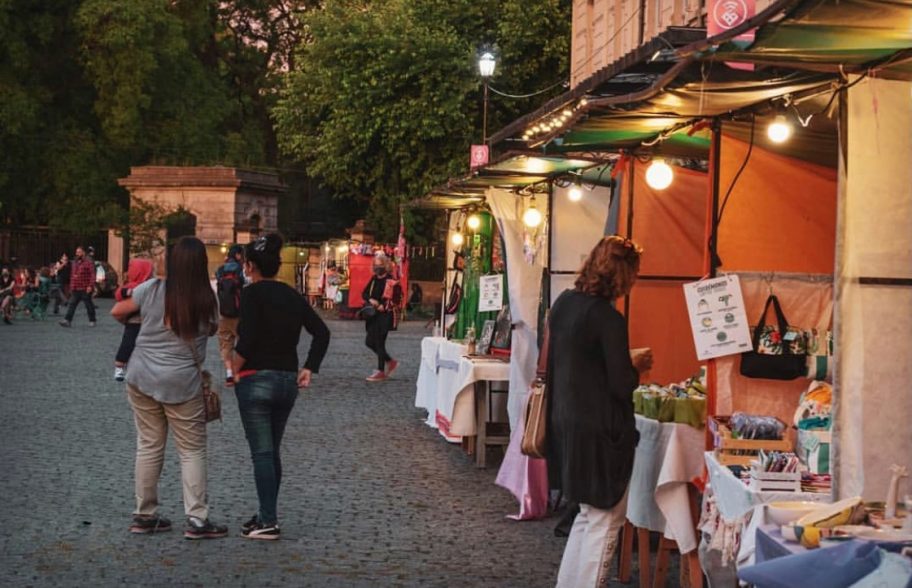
[534, 440]
[212, 400]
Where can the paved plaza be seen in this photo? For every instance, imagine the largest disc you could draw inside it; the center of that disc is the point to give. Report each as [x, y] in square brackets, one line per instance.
[371, 496]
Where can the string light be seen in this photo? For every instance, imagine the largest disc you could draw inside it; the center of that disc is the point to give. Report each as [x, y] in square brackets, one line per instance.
[779, 130]
[659, 175]
[532, 217]
[474, 222]
[457, 239]
[575, 194]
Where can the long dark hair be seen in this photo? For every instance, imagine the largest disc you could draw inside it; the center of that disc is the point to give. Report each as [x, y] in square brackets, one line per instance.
[189, 300]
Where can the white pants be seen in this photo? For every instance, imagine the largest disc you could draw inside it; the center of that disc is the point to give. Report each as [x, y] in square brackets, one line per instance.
[592, 543]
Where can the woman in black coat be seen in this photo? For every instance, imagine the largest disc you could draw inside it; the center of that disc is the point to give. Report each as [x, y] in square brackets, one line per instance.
[591, 428]
[384, 295]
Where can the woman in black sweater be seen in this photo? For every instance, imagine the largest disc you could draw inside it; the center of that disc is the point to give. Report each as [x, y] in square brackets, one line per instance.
[266, 365]
[383, 294]
[591, 429]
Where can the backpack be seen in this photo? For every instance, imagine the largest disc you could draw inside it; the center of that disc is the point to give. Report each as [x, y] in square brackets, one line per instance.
[229, 294]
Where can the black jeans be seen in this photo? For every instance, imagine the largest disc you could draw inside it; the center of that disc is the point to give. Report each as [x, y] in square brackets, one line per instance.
[127, 342]
[75, 298]
[265, 400]
[378, 328]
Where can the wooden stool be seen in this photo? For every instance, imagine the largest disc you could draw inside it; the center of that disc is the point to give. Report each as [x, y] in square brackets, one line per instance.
[626, 554]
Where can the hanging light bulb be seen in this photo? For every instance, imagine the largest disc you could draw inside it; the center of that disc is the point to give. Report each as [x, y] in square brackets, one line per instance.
[659, 175]
[532, 217]
[575, 194]
[457, 239]
[474, 222]
[567, 112]
[779, 130]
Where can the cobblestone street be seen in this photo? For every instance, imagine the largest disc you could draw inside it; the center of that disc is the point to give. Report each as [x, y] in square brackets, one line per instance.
[371, 496]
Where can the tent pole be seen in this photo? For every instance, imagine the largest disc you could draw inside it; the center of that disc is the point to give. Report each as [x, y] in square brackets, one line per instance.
[446, 272]
[550, 221]
[711, 257]
[631, 162]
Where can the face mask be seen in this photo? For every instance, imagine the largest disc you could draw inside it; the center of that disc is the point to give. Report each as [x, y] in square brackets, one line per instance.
[379, 271]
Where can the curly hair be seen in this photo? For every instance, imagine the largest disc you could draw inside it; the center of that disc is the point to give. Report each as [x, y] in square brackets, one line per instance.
[611, 268]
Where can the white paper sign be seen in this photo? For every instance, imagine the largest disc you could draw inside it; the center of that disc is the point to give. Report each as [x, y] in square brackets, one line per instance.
[490, 297]
[717, 317]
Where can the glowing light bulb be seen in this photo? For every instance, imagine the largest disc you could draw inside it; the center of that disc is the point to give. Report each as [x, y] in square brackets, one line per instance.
[568, 112]
[457, 239]
[575, 194]
[532, 217]
[779, 130]
[659, 175]
[474, 222]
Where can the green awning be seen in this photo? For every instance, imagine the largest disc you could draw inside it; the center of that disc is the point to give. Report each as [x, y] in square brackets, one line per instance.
[827, 35]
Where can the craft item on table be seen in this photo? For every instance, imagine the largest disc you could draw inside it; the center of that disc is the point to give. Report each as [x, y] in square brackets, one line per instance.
[487, 333]
[899, 472]
[683, 403]
[784, 512]
[739, 438]
[814, 422]
[817, 483]
[809, 529]
[775, 472]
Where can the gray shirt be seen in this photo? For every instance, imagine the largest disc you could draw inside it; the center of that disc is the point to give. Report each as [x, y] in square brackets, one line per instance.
[162, 365]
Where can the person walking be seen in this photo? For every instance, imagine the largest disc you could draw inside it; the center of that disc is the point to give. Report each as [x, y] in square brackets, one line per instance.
[82, 285]
[266, 365]
[138, 271]
[229, 279]
[61, 272]
[382, 294]
[164, 384]
[591, 429]
[7, 283]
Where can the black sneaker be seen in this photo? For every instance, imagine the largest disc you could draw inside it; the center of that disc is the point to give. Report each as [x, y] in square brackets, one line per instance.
[263, 532]
[251, 524]
[143, 524]
[200, 529]
[64, 323]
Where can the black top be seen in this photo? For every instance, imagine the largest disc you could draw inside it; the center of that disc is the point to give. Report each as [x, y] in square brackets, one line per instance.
[272, 314]
[375, 288]
[591, 432]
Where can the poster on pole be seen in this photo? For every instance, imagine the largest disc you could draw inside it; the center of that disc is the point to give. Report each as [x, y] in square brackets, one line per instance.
[490, 297]
[717, 317]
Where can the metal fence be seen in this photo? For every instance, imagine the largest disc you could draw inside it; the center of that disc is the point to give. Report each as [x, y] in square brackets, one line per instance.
[38, 246]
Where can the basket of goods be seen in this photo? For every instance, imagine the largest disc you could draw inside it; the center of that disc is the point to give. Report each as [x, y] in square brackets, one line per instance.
[775, 471]
[683, 403]
[739, 438]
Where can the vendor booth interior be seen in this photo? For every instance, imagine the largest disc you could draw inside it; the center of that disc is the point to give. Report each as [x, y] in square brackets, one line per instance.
[770, 188]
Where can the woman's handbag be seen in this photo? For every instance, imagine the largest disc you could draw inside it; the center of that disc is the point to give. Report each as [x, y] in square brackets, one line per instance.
[212, 401]
[776, 354]
[534, 440]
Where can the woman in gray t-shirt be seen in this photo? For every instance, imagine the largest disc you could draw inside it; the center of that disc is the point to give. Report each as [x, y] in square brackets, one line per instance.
[163, 385]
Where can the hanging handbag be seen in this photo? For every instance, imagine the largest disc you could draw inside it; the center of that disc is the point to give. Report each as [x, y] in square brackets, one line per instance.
[212, 401]
[776, 355]
[534, 441]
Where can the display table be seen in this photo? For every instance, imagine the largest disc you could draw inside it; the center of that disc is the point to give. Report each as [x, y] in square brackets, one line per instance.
[444, 378]
[735, 501]
[770, 544]
[668, 457]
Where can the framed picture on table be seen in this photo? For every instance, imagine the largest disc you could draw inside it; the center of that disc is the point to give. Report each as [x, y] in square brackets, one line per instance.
[487, 333]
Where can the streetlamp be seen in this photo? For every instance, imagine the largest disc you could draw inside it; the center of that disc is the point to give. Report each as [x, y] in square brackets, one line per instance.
[486, 65]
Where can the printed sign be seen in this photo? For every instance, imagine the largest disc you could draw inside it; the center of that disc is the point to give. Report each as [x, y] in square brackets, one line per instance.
[717, 317]
[723, 15]
[478, 156]
[490, 296]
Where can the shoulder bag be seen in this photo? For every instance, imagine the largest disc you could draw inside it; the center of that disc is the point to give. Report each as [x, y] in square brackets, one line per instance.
[212, 401]
[534, 441]
[780, 361]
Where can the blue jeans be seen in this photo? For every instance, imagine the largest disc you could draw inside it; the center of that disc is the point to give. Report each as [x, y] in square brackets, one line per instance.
[265, 400]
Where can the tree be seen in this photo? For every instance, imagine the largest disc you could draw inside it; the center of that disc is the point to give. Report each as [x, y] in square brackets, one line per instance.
[384, 100]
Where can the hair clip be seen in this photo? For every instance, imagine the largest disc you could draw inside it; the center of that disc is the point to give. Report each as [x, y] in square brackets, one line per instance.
[260, 244]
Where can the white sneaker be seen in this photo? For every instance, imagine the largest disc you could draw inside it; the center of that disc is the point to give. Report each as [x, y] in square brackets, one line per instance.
[119, 373]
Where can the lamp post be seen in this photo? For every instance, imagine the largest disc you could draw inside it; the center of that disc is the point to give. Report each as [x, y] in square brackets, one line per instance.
[486, 65]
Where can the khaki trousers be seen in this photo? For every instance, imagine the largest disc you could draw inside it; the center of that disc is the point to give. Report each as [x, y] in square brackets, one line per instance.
[591, 546]
[188, 425]
[227, 337]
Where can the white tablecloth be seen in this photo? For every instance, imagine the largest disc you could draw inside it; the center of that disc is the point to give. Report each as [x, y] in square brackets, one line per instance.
[440, 390]
[735, 500]
[668, 457]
